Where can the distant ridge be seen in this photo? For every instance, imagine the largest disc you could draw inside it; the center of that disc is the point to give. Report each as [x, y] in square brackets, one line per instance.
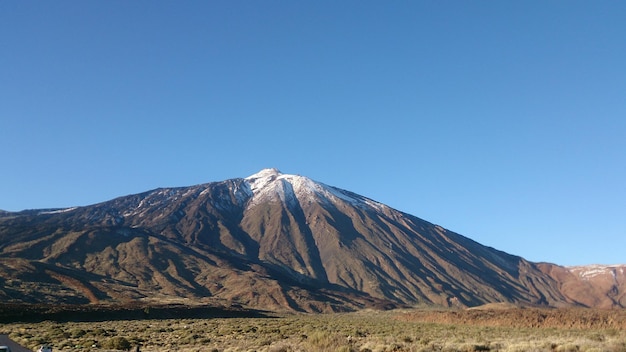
[271, 241]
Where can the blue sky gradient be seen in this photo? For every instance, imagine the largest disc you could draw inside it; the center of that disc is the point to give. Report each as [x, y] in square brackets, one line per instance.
[504, 121]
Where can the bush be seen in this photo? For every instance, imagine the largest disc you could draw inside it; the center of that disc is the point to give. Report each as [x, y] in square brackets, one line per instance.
[76, 333]
[100, 332]
[568, 348]
[118, 343]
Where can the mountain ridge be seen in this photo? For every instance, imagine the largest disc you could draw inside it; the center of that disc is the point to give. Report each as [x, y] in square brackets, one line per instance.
[268, 240]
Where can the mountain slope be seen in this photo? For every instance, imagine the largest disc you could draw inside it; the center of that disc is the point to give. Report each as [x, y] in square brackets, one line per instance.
[600, 286]
[271, 240]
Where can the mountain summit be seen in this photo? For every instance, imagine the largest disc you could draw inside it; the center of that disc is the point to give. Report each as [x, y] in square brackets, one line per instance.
[271, 241]
[271, 184]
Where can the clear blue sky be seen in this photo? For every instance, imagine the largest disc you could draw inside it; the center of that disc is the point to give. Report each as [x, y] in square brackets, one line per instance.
[504, 121]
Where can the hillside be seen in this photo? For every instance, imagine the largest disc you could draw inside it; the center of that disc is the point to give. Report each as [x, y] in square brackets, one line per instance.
[270, 241]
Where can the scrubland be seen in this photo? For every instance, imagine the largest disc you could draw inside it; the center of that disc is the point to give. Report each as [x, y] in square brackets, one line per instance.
[399, 330]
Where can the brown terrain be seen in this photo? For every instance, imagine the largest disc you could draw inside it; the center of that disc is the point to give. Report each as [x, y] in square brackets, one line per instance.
[600, 286]
[511, 316]
[271, 242]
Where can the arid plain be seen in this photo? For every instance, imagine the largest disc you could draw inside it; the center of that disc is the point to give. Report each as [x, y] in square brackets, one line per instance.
[493, 328]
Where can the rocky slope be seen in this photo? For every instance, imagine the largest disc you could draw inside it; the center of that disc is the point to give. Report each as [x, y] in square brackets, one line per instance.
[599, 286]
[271, 241]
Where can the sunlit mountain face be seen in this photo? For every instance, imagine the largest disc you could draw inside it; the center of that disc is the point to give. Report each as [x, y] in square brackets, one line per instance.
[271, 241]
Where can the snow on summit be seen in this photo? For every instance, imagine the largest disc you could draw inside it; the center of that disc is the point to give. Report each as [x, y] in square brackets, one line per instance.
[589, 271]
[269, 184]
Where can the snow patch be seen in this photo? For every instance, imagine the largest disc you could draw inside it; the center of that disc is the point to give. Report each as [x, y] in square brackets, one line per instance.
[265, 173]
[271, 184]
[589, 271]
[58, 211]
[242, 193]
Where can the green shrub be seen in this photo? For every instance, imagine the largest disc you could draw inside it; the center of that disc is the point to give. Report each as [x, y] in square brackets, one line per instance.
[100, 332]
[568, 348]
[76, 333]
[118, 343]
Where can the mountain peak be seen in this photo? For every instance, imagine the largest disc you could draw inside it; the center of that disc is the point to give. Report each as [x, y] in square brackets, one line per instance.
[265, 173]
[273, 241]
[273, 184]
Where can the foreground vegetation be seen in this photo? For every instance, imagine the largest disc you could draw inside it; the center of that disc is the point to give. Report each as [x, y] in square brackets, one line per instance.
[359, 331]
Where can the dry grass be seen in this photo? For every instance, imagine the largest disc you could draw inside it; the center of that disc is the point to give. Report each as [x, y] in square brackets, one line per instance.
[360, 331]
[572, 318]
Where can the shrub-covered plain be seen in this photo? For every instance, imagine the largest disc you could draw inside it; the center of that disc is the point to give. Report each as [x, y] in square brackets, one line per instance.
[359, 331]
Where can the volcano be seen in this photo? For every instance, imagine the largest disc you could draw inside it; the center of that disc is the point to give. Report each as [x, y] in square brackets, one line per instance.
[272, 241]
